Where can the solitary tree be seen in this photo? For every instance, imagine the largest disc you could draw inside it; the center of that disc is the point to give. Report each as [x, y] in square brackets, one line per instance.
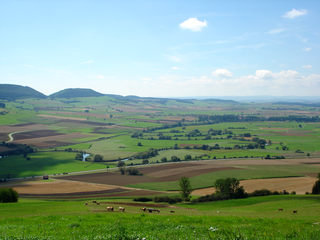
[98, 158]
[185, 187]
[120, 163]
[316, 186]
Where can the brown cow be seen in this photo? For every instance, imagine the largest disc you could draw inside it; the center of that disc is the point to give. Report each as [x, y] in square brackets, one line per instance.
[86, 203]
[94, 201]
[98, 203]
[295, 211]
[110, 209]
[280, 209]
[143, 209]
[121, 209]
[172, 211]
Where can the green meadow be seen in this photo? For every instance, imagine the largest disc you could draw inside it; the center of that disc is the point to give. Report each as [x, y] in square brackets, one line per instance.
[252, 218]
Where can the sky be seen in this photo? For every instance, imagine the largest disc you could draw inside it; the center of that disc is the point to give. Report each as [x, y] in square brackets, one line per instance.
[163, 48]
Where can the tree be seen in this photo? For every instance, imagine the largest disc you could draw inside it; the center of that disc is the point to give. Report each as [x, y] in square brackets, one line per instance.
[120, 163]
[98, 158]
[8, 195]
[132, 171]
[316, 186]
[185, 188]
[187, 157]
[139, 144]
[122, 170]
[107, 167]
[164, 159]
[145, 161]
[229, 187]
[79, 156]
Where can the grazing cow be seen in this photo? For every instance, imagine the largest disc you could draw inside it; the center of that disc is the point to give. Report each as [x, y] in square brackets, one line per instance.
[172, 211]
[94, 201]
[121, 209]
[98, 203]
[280, 209]
[110, 209]
[153, 210]
[295, 211]
[86, 203]
[143, 209]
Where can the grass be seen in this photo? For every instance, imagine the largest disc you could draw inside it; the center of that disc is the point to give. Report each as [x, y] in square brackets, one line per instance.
[252, 218]
[47, 162]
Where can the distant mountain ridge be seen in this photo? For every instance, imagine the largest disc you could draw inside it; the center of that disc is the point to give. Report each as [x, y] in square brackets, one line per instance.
[76, 92]
[12, 92]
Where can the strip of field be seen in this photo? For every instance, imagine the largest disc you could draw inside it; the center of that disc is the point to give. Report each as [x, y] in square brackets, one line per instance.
[300, 185]
[53, 138]
[22, 127]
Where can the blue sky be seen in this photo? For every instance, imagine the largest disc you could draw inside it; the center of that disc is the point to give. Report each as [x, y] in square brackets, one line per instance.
[163, 48]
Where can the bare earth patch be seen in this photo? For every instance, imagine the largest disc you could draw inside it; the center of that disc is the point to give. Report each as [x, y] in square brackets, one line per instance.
[53, 138]
[22, 127]
[58, 186]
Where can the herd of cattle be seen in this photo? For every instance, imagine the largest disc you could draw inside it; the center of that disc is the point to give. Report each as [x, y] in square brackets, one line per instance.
[150, 210]
[123, 209]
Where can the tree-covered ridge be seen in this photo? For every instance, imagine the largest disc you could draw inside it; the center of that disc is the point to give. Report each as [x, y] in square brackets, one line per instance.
[12, 92]
[76, 92]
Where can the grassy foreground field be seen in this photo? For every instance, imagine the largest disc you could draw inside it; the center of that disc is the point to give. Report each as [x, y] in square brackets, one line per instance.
[253, 218]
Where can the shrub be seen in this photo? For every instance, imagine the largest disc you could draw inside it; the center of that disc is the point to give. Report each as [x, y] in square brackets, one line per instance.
[293, 193]
[8, 195]
[142, 199]
[145, 161]
[132, 171]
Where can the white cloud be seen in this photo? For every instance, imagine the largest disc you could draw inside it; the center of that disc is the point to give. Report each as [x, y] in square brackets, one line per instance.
[307, 49]
[29, 66]
[193, 24]
[278, 30]
[295, 13]
[177, 68]
[222, 73]
[307, 66]
[100, 76]
[266, 74]
[146, 79]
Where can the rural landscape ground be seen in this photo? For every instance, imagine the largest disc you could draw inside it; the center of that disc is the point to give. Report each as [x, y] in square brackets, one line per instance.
[274, 146]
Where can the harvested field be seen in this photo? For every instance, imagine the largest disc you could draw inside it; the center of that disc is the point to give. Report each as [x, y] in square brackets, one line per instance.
[61, 117]
[52, 138]
[182, 145]
[303, 160]
[274, 128]
[298, 184]
[4, 137]
[51, 144]
[22, 127]
[160, 173]
[228, 162]
[181, 169]
[35, 134]
[58, 187]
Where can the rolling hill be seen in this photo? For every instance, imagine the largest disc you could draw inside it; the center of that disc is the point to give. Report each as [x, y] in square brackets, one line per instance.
[12, 92]
[76, 92]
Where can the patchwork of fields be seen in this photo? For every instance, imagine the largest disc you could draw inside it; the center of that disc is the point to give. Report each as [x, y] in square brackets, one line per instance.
[262, 154]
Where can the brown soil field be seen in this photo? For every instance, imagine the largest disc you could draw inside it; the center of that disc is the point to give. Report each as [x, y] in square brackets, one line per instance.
[161, 173]
[291, 134]
[298, 184]
[188, 144]
[231, 162]
[4, 137]
[275, 128]
[22, 127]
[57, 187]
[61, 117]
[84, 114]
[52, 138]
[51, 144]
[302, 160]
[35, 134]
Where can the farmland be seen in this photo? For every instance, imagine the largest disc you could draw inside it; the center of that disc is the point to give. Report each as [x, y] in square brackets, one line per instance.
[201, 140]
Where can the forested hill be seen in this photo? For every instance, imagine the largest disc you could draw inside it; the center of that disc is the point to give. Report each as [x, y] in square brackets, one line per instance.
[12, 92]
[76, 92]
